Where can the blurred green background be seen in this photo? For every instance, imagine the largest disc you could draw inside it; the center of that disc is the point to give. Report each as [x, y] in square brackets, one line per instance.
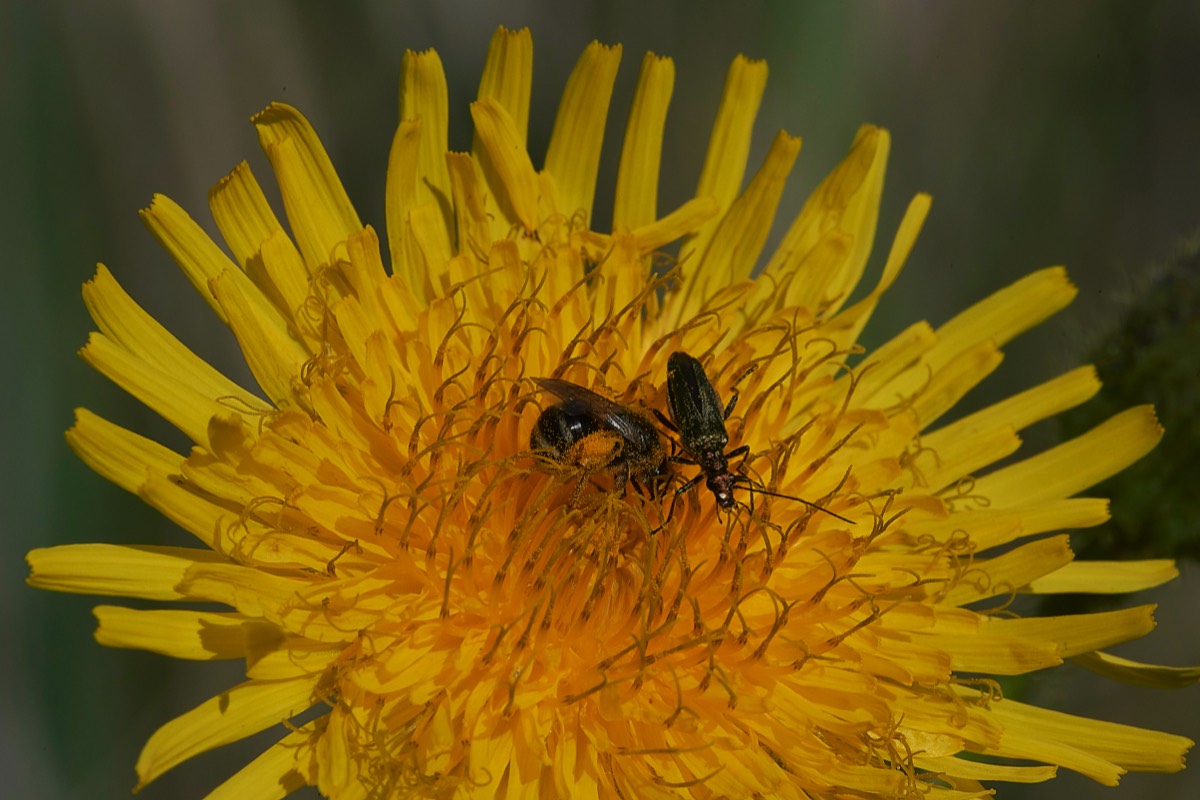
[1047, 133]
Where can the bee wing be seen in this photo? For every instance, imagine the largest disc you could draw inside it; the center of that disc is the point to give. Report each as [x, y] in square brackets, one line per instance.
[565, 390]
[625, 421]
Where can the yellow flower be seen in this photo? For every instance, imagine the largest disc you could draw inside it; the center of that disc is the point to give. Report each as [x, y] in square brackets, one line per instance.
[448, 614]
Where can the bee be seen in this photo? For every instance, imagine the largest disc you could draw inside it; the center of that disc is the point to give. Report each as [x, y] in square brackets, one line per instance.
[590, 432]
[698, 418]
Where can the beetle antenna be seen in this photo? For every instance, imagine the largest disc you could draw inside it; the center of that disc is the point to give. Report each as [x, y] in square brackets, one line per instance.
[751, 487]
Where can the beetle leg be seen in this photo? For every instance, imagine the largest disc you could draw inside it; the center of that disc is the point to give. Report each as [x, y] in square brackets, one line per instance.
[742, 451]
[675, 498]
[733, 390]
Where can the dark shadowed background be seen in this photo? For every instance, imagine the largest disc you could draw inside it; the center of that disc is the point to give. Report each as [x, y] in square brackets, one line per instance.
[1048, 133]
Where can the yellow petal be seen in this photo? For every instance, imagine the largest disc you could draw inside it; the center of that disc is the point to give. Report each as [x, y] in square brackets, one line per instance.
[1040, 732]
[962, 768]
[847, 201]
[742, 232]
[355, 328]
[196, 254]
[242, 213]
[949, 385]
[1006, 313]
[874, 378]
[1105, 577]
[851, 321]
[573, 157]
[423, 98]
[121, 456]
[728, 148]
[821, 266]
[404, 161]
[232, 715]
[194, 635]
[285, 767]
[1027, 742]
[623, 276]
[151, 573]
[183, 505]
[1058, 515]
[1006, 573]
[168, 393]
[491, 754]
[636, 201]
[273, 655]
[366, 274]
[427, 240]
[249, 590]
[470, 204]
[274, 357]
[1076, 633]
[508, 75]
[515, 179]
[574, 776]
[436, 744]
[418, 180]
[340, 419]
[337, 757]
[995, 652]
[279, 269]
[1138, 674]
[687, 218]
[317, 206]
[954, 460]
[1022, 410]
[127, 324]
[1075, 465]
[994, 527]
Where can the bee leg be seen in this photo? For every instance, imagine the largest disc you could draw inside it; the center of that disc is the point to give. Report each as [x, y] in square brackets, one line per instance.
[621, 481]
[578, 489]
